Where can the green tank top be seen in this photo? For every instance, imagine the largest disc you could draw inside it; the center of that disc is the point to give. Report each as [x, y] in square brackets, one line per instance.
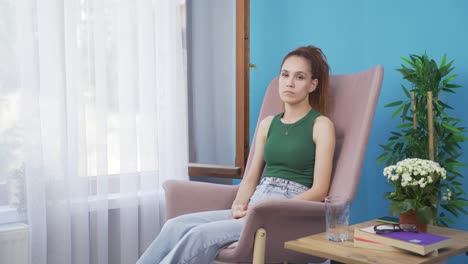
[290, 150]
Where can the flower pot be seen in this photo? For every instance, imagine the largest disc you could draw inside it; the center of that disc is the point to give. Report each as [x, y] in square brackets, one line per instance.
[410, 218]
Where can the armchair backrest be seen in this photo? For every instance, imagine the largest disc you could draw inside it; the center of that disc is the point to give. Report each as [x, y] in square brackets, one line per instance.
[353, 101]
[353, 98]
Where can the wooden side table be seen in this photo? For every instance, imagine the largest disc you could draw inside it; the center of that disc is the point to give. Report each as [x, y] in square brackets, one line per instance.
[345, 252]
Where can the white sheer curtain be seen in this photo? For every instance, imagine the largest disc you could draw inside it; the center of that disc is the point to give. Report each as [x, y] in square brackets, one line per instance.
[103, 89]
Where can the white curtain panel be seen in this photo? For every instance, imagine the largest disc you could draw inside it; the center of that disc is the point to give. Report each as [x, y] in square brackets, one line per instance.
[103, 88]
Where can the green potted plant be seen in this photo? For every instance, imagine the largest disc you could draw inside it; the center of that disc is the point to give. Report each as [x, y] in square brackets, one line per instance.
[428, 132]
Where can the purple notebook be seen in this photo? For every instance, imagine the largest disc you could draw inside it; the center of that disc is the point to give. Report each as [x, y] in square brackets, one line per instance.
[422, 239]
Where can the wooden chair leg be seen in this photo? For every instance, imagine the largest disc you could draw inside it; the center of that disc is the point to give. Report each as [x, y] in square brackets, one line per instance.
[259, 247]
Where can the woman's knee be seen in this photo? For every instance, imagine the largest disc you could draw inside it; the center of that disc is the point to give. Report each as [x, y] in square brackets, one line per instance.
[179, 222]
[173, 223]
[181, 219]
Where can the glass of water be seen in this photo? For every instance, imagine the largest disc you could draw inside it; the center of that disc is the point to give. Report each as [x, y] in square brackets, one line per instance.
[337, 217]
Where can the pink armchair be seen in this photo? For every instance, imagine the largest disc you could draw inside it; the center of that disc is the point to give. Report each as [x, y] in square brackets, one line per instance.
[270, 223]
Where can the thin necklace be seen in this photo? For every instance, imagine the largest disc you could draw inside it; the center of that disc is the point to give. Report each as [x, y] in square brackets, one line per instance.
[287, 127]
[291, 125]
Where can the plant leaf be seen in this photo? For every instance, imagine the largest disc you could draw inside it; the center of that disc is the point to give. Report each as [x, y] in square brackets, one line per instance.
[405, 125]
[399, 109]
[394, 104]
[451, 128]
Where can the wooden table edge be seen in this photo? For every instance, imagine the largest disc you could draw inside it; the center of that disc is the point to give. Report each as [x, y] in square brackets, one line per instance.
[294, 245]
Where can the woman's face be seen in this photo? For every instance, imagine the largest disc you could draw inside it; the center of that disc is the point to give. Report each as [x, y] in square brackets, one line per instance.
[296, 82]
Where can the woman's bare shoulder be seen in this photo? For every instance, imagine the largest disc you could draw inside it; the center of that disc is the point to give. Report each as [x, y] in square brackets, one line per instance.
[265, 124]
[323, 126]
[267, 120]
[323, 122]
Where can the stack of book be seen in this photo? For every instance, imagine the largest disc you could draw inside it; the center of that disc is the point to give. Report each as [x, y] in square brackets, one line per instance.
[399, 241]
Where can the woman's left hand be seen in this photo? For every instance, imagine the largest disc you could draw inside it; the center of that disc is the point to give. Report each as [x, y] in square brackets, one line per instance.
[239, 211]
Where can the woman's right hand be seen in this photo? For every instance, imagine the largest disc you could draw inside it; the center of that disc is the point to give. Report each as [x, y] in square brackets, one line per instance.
[239, 211]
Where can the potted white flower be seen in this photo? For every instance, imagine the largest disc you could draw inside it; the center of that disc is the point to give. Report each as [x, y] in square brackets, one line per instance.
[419, 188]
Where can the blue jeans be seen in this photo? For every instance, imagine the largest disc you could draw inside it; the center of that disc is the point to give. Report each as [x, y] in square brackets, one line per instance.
[197, 238]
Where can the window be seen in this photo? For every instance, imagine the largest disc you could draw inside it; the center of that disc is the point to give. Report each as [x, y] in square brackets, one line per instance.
[241, 84]
[12, 182]
[11, 169]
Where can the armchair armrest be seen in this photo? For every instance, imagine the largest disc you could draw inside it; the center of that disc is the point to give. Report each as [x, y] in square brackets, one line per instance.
[183, 197]
[283, 220]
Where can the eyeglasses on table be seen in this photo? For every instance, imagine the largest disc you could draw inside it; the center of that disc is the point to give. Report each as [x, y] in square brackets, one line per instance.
[390, 228]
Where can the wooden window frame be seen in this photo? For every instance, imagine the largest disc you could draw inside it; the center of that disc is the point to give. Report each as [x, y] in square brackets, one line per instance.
[242, 102]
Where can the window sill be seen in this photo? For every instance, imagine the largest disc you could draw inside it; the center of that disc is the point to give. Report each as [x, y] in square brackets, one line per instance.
[9, 215]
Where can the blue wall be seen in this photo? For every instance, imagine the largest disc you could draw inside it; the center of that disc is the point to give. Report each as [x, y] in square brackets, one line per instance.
[356, 35]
